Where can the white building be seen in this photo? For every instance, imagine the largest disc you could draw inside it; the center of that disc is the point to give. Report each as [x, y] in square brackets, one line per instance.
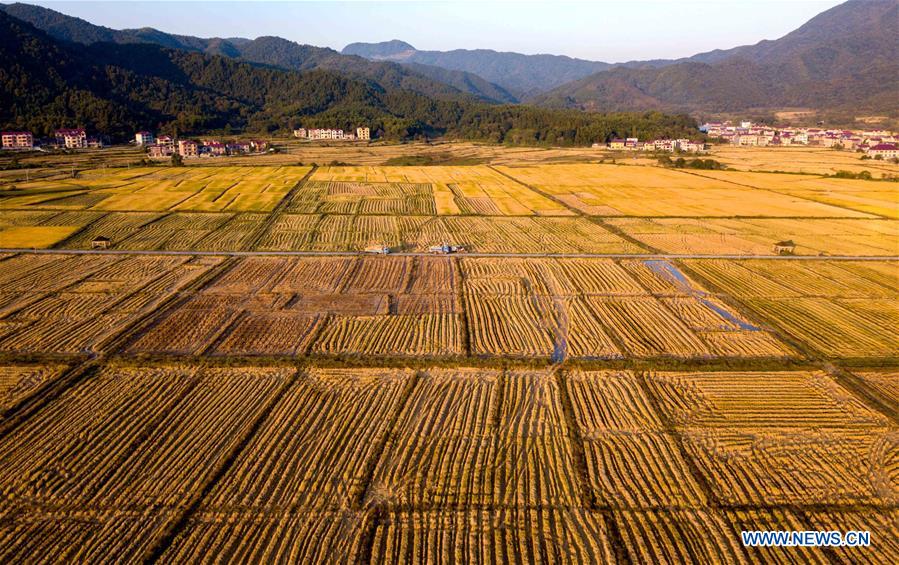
[144, 138]
[883, 150]
[71, 138]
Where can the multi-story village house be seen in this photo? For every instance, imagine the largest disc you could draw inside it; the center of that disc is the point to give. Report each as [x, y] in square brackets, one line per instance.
[188, 148]
[884, 151]
[71, 138]
[16, 140]
[144, 138]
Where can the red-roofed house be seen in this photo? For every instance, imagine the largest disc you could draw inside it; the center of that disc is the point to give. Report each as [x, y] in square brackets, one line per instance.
[166, 141]
[188, 148]
[883, 150]
[71, 138]
[214, 148]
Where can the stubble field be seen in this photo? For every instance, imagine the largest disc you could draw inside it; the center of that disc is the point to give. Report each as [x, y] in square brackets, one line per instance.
[617, 368]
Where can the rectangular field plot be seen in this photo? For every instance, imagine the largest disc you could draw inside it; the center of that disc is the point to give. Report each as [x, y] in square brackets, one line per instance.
[82, 536]
[116, 226]
[631, 462]
[75, 304]
[609, 401]
[758, 466]
[710, 236]
[314, 449]
[432, 335]
[839, 308]
[376, 198]
[235, 189]
[195, 232]
[39, 237]
[502, 536]
[456, 190]
[612, 190]
[647, 329]
[760, 399]
[404, 232]
[134, 438]
[640, 470]
[328, 305]
[600, 308]
[870, 197]
[290, 232]
[18, 382]
[781, 437]
[473, 437]
[303, 537]
[510, 325]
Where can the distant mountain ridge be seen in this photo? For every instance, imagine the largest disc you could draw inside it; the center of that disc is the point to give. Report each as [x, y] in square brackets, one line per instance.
[845, 59]
[116, 89]
[274, 51]
[523, 75]
[843, 62]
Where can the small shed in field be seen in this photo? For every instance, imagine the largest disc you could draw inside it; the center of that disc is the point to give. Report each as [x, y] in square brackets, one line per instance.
[100, 242]
[787, 247]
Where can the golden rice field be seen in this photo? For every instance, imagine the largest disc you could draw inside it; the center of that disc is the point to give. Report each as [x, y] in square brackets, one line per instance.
[440, 464]
[555, 209]
[615, 370]
[475, 190]
[395, 306]
[757, 236]
[39, 237]
[158, 189]
[614, 190]
[872, 198]
[837, 308]
[422, 306]
[807, 160]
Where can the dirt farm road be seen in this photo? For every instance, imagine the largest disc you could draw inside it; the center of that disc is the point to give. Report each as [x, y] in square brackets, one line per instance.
[650, 256]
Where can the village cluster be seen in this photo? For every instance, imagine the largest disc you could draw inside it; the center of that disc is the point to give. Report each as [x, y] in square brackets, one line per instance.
[157, 147]
[62, 138]
[166, 146]
[668, 145]
[874, 143]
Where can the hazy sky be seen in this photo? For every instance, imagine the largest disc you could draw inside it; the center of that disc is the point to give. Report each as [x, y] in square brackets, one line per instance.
[611, 30]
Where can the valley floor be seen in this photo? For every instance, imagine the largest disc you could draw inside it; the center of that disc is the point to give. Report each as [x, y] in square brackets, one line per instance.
[619, 367]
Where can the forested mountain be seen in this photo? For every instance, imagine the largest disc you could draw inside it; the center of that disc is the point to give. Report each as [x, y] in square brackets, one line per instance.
[275, 51]
[523, 75]
[845, 59]
[119, 88]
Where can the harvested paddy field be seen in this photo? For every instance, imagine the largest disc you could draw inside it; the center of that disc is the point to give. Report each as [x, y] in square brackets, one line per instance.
[413, 306]
[533, 209]
[618, 368]
[806, 160]
[432, 464]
